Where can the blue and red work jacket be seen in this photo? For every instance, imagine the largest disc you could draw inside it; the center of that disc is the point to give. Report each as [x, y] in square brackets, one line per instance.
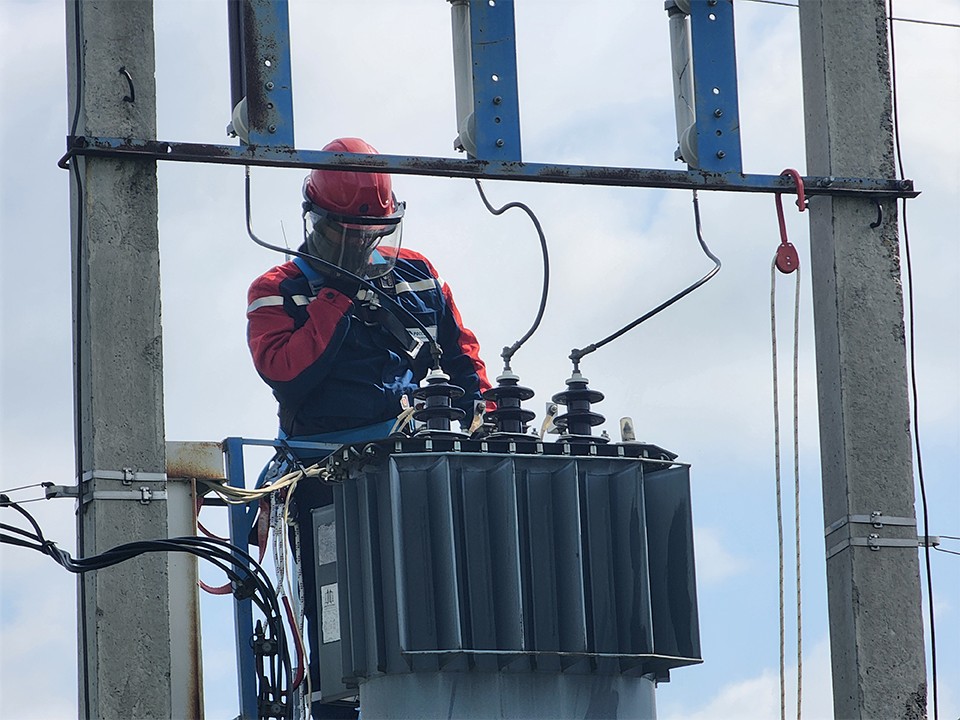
[332, 370]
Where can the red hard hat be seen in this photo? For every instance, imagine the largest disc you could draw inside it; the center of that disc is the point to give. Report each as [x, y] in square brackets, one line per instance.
[350, 193]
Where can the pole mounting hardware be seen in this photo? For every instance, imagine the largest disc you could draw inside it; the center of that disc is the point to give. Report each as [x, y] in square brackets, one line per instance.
[787, 259]
[150, 486]
[876, 518]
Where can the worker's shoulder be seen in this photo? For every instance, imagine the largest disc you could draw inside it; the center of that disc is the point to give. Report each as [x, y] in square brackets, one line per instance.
[413, 259]
[271, 280]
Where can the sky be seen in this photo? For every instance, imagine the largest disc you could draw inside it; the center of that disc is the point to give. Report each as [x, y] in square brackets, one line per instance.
[595, 89]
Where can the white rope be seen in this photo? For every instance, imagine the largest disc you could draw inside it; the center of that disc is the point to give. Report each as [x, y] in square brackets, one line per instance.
[796, 484]
[776, 443]
[796, 473]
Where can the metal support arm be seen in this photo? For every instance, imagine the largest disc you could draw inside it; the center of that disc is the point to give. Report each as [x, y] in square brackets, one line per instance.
[256, 155]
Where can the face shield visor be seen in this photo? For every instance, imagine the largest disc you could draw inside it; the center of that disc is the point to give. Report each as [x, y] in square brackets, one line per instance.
[363, 245]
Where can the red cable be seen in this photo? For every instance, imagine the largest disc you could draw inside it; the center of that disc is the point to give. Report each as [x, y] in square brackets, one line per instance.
[298, 678]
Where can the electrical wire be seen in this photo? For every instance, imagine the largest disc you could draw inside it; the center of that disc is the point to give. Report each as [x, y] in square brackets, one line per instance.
[913, 374]
[508, 352]
[242, 496]
[75, 163]
[25, 487]
[577, 354]
[278, 522]
[248, 578]
[339, 273]
[944, 550]
[890, 17]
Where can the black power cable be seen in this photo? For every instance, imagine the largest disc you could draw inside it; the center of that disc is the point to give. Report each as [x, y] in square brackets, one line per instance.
[509, 352]
[78, 290]
[913, 376]
[576, 354]
[248, 578]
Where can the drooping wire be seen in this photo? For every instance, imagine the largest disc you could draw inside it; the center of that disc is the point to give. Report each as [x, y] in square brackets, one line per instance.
[577, 354]
[794, 5]
[508, 352]
[338, 272]
[249, 580]
[913, 374]
[796, 491]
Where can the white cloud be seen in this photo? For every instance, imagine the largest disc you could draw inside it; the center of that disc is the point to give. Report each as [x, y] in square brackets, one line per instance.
[758, 697]
[714, 562]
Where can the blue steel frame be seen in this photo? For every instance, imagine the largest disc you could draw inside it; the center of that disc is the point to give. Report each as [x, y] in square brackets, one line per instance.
[267, 76]
[715, 86]
[266, 30]
[241, 519]
[495, 96]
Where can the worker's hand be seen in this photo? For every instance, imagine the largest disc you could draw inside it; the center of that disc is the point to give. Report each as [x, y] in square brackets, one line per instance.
[344, 284]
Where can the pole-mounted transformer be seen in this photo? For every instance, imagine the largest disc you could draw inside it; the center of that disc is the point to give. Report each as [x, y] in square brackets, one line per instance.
[506, 579]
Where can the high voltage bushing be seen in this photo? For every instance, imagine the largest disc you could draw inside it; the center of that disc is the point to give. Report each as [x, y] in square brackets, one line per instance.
[509, 418]
[438, 410]
[577, 422]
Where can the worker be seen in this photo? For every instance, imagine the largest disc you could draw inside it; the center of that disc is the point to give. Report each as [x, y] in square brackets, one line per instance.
[343, 364]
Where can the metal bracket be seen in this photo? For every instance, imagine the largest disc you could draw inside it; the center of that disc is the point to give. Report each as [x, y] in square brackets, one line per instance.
[127, 476]
[876, 518]
[875, 542]
[57, 491]
[143, 494]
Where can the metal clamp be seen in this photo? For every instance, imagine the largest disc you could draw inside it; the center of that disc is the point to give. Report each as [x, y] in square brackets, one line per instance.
[875, 542]
[127, 476]
[143, 494]
[876, 518]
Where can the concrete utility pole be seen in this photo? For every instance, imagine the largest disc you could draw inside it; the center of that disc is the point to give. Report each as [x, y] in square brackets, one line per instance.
[125, 640]
[873, 583]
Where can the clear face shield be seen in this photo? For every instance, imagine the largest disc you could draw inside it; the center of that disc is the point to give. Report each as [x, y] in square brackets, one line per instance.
[364, 246]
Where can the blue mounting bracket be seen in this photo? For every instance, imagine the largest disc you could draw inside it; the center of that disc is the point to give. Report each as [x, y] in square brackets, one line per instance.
[495, 95]
[715, 86]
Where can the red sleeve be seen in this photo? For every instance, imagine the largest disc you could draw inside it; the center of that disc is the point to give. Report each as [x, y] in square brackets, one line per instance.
[467, 342]
[469, 345]
[280, 350]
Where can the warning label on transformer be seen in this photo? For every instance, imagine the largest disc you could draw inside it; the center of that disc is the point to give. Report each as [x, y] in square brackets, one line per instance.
[329, 613]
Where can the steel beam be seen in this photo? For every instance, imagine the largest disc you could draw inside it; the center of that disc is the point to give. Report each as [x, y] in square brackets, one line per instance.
[864, 187]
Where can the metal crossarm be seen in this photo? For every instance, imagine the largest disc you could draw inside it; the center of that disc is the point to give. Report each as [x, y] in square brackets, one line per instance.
[483, 169]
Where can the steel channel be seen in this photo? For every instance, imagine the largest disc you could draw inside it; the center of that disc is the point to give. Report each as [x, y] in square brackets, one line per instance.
[451, 167]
